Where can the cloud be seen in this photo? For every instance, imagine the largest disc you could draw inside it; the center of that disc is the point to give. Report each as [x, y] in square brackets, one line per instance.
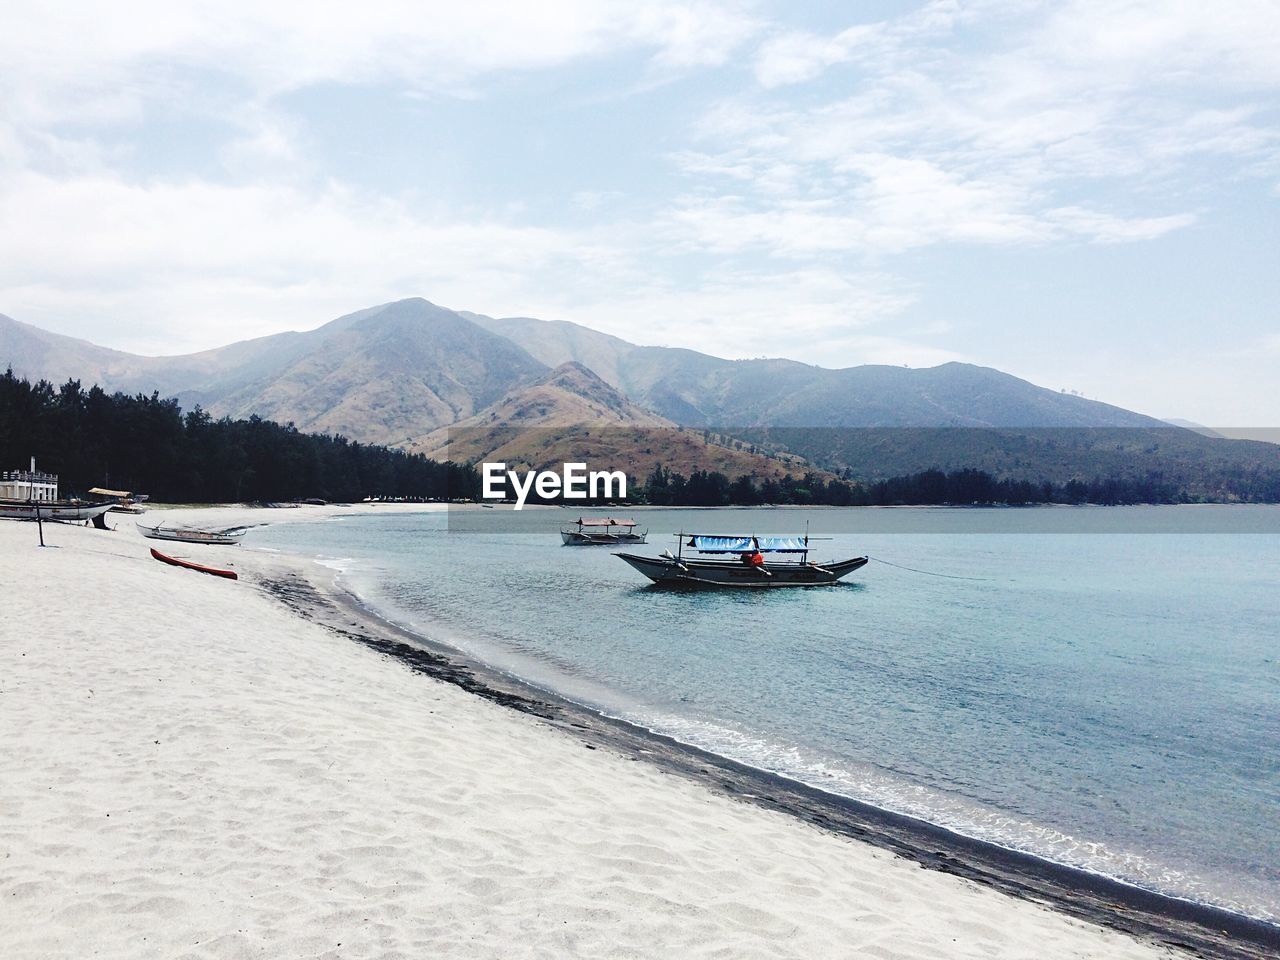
[814, 314]
[1095, 40]
[67, 61]
[896, 205]
[188, 265]
[1104, 228]
[191, 264]
[797, 56]
[909, 134]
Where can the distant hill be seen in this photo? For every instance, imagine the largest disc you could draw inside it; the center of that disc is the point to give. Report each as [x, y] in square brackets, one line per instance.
[700, 390]
[1196, 427]
[573, 415]
[39, 354]
[398, 373]
[381, 375]
[1208, 467]
[385, 375]
[568, 395]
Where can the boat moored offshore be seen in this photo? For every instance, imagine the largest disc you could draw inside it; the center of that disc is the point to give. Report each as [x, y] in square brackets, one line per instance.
[748, 566]
[601, 531]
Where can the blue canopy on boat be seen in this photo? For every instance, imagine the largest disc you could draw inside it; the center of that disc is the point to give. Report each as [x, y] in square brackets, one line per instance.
[748, 544]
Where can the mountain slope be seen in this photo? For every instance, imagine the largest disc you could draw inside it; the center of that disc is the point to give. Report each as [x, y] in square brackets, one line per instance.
[555, 342]
[399, 370]
[572, 415]
[378, 375]
[40, 355]
[386, 374]
[699, 390]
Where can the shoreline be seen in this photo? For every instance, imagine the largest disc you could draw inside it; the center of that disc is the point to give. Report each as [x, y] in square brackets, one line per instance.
[1171, 921]
[209, 768]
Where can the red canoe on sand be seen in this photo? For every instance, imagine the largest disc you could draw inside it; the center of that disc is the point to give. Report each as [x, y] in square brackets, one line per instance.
[229, 574]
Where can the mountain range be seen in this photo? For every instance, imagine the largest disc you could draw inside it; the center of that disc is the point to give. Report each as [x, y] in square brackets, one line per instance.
[399, 373]
[695, 389]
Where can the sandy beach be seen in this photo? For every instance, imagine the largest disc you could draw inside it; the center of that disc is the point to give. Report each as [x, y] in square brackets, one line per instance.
[191, 768]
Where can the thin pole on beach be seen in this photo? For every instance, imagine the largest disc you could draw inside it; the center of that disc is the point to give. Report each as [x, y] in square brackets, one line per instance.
[39, 524]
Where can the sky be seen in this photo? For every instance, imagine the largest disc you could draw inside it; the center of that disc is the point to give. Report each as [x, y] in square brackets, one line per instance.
[1081, 193]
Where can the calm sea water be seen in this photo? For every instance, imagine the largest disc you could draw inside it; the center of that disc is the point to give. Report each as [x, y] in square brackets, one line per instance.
[1104, 698]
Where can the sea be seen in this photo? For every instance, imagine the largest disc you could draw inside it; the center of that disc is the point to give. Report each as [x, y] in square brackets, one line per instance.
[1096, 686]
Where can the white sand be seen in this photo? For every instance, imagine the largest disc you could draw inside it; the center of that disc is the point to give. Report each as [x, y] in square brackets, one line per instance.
[189, 770]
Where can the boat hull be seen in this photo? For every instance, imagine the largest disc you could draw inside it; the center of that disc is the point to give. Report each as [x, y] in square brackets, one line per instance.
[189, 536]
[714, 574]
[61, 510]
[198, 567]
[572, 538]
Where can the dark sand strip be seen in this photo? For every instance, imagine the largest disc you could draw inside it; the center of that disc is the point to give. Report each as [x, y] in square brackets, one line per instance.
[1199, 929]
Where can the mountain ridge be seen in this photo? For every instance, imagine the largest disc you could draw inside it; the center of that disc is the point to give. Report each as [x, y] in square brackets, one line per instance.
[412, 366]
[396, 373]
[701, 390]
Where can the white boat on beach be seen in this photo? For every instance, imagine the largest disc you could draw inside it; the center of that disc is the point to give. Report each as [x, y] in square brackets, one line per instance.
[748, 566]
[33, 495]
[66, 511]
[228, 537]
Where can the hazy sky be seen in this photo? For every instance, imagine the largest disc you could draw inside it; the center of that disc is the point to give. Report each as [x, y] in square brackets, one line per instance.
[1084, 194]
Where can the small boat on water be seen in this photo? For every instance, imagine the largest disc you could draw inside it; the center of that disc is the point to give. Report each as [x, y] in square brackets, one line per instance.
[200, 567]
[228, 537]
[600, 532]
[748, 566]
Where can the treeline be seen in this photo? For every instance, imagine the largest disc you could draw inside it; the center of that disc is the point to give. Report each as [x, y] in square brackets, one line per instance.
[927, 488]
[146, 443]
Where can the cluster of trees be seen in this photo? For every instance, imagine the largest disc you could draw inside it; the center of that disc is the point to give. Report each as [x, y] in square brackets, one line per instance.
[146, 443]
[929, 487]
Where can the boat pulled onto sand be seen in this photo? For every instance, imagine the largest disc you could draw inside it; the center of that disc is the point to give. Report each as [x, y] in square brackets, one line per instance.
[191, 565]
[741, 562]
[63, 511]
[33, 495]
[228, 537]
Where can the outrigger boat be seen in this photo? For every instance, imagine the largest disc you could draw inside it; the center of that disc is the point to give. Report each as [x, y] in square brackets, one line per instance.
[229, 537]
[748, 568]
[66, 511]
[33, 495]
[601, 531]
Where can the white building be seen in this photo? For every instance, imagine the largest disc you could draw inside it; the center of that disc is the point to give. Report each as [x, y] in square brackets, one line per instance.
[28, 485]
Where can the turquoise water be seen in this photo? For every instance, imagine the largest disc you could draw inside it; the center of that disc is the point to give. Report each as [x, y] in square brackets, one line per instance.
[1109, 700]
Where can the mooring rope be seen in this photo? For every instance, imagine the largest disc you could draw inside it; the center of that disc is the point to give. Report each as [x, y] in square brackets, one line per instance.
[929, 573]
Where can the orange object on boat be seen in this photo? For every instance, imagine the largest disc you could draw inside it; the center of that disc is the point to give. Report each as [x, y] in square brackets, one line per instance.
[174, 561]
